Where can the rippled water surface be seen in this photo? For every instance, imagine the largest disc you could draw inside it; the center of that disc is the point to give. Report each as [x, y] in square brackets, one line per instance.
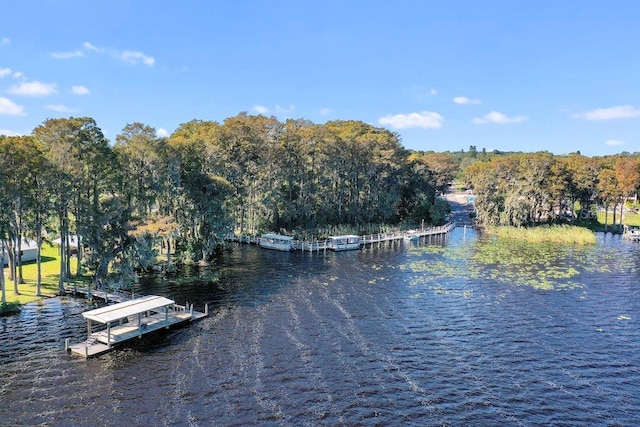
[428, 334]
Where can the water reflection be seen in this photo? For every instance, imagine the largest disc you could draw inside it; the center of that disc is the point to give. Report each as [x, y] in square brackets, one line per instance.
[354, 338]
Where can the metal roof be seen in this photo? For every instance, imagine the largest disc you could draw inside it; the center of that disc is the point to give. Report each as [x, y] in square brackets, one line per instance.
[276, 236]
[127, 308]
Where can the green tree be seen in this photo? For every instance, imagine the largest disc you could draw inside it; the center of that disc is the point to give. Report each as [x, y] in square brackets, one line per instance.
[85, 175]
[608, 191]
[142, 155]
[19, 158]
[627, 170]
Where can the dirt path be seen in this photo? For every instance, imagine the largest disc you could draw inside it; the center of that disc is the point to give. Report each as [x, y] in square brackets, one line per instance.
[460, 209]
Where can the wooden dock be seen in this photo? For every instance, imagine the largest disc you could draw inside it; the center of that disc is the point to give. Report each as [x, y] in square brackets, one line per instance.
[124, 321]
[104, 295]
[371, 239]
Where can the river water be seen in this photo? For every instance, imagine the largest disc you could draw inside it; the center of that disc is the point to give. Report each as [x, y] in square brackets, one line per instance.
[436, 333]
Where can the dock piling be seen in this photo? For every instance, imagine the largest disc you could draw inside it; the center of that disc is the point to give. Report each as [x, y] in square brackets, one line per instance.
[66, 344]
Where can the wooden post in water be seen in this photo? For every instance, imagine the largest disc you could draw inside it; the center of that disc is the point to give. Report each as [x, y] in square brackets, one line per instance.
[66, 344]
[206, 309]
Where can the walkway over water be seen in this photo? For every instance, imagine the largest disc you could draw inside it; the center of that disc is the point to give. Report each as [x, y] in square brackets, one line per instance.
[369, 239]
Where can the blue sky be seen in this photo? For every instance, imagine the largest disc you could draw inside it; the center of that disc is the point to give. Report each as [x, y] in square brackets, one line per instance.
[556, 75]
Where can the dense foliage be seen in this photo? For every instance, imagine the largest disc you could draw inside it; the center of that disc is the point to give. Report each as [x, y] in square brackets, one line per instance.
[527, 189]
[524, 189]
[187, 192]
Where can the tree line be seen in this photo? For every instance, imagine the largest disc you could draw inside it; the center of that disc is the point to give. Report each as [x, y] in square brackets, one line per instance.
[185, 193]
[525, 189]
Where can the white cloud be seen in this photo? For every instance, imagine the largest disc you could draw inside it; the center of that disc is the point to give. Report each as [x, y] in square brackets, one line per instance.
[134, 57]
[10, 108]
[18, 75]
[59, 108]
[285, 110]
[7, 132]
[422, 92]
[261, 109]
[499, 118]
[66, 55]
[618, 112]
[80, 90]
[6, 40]
[34, 88]
[613, 142]
[162, 133]
[326, 111]
[423, 119]
[89, 46]
[463, 100]
[4, 72]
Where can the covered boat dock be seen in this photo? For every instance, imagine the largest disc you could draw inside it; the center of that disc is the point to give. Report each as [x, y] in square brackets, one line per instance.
[276, 241]
[114, 324]
[344, 243]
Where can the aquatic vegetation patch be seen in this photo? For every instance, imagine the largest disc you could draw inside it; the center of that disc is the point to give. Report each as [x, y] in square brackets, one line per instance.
[543, 266]
[564, 234]
[427, 249]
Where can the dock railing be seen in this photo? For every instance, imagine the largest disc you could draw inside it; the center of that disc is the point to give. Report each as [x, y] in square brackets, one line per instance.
[323, 245]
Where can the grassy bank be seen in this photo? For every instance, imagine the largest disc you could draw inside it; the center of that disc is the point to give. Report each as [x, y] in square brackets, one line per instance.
[547, 234]
[629, 218]
[50, 275]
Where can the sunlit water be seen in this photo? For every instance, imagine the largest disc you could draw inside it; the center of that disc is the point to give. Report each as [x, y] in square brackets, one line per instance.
[428, 334]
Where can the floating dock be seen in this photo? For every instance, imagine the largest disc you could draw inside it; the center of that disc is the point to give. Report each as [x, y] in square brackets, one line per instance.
[362, 241]
[116, 324]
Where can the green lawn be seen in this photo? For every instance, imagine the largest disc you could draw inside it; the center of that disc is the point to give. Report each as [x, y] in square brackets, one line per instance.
[629, 218]
[50, 275]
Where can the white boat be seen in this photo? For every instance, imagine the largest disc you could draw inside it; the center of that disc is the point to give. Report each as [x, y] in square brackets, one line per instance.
[631, 233]
[276, 241]
[411, 235]
[344, 243]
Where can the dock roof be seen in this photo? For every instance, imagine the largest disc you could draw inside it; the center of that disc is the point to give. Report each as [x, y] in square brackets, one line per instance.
[276, 236]
[127, 308]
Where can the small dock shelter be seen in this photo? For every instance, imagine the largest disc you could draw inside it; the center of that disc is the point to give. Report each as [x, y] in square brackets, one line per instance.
[276, 241]
[72, 243]
[114, 324]
[28, 252]
[346, 242]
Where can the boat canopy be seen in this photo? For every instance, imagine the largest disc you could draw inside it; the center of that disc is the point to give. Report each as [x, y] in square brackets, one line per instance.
[346, 236]
[277, 237]
[125, 309]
